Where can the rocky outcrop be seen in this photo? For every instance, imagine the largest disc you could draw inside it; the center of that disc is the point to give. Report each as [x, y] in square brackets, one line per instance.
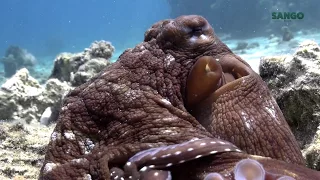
[22, 98]
[80, 67]
[16, 58]
[295, 83]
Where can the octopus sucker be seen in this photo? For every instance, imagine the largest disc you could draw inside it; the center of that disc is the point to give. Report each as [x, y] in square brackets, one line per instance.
[286, 178]
[213, 176]
[156, 175]
[249, 169]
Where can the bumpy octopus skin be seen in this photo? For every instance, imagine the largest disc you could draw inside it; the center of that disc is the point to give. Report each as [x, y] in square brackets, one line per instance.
[138, 103]
[240, 108]
[134, 104]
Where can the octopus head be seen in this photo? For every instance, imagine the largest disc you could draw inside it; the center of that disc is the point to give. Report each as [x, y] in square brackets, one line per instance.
[187, 32]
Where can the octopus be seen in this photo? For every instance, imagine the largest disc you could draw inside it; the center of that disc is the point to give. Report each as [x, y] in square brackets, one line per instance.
[179, 105]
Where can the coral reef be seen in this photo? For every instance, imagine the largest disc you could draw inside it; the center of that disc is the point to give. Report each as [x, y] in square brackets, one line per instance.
[294, 80]
[16, 58]
[80, 67]
[23, 98]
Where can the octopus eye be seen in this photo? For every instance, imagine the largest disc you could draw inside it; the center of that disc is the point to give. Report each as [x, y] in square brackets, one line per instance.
[249, 169]
[197, 31]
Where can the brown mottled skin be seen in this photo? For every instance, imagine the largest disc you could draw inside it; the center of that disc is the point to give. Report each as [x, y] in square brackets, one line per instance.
[244, 112]
[125, 109]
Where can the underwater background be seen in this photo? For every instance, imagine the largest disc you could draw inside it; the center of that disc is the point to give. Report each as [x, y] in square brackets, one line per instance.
[48, 48]
[47, 28]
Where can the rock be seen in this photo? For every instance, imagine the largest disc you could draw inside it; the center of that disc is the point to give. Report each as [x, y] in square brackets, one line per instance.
[23, 98]
[287, 35]
[15, 59]
[88, 70]
[241, 46]
[23, 83]
[22, 149]
[312, 152]
[294, 81]
[15, 94]
[273, 39]
[80, 67]
[65, 64]
[45, 117]
[99, 49]
[253, 45]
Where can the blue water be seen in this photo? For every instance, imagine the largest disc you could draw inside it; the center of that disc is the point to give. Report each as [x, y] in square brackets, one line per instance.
[46, 28]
